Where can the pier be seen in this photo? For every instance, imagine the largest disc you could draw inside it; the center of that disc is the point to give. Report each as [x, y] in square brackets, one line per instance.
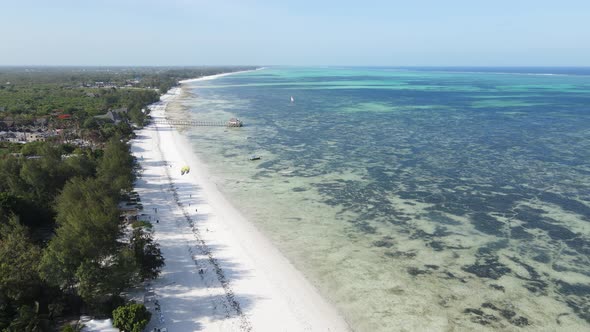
[194, 123]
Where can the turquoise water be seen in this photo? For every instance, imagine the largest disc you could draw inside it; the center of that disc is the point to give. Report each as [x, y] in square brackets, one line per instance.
[414, 198]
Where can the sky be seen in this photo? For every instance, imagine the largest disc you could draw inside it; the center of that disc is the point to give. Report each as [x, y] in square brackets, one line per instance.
[299, 32]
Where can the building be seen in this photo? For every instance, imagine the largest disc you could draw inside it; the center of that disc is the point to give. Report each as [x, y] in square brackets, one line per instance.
[25, 137]
[234, 122]
[116, 115]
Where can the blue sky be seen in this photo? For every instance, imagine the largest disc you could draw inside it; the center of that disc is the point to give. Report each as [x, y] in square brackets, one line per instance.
[303, 32]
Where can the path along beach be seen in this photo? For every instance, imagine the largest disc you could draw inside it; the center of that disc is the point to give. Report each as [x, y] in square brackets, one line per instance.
[221, 273]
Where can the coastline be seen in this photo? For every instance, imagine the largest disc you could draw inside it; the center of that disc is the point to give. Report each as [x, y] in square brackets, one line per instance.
[221, 273]
[212, 77]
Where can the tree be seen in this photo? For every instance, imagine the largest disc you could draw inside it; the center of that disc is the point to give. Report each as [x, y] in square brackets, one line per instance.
[131, 318]
[88, 228]
[7, 313]
[98, 281]
[33, 148]
[29, 213]
[137, 116]
[19, 263]
[111, 99]
[148, 256]
[10, 179]
[116, 165]
[28, 320]
[84, 256]
[47, 175]
[10, 203]
[72, 328]
[80, 165]
[90, 123]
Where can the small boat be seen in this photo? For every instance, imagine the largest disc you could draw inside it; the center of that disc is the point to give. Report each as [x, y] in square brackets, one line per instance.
[254, 157]
[292, 99]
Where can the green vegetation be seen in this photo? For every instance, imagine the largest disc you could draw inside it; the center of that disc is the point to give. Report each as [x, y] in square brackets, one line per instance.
[39, 90]
[72, 328]
[146, 254]
[87, 259]
[132, 317]
[116, 165]
[64, 249]
[31, 102]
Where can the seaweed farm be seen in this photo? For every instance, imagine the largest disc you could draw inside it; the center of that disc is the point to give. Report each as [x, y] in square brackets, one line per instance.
[416, 199]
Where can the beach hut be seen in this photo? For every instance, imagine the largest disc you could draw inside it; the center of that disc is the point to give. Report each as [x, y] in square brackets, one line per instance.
[234, 122]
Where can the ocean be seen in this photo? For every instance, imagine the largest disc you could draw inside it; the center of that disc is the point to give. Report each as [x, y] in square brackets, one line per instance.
[414, 198]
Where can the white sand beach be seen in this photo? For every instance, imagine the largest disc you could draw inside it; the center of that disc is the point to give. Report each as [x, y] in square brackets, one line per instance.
[221, 273]
[206, 78]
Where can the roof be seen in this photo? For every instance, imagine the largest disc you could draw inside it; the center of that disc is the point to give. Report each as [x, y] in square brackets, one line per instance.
[113, 115]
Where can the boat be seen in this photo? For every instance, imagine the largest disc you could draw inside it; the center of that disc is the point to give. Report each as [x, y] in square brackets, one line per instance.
[292, 99]
[254, 157]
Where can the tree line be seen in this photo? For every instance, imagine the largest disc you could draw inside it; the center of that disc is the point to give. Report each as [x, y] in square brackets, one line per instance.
[89, 256]
[64, 249]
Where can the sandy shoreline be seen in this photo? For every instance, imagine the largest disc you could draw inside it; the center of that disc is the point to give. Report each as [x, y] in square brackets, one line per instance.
[212, 77]
[221, 273]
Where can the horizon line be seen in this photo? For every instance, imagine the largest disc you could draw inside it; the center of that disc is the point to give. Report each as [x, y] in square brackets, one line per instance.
[287, 65]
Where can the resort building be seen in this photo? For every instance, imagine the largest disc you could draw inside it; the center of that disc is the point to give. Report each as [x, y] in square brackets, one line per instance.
[25, 137]
[116, 115]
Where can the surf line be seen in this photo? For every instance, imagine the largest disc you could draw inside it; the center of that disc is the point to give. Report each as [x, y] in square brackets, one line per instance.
[204, 250]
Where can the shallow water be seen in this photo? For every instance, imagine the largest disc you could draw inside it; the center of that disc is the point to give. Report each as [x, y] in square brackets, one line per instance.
[414, 199]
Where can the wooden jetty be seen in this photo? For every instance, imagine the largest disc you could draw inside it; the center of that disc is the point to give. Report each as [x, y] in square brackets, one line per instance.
[194, 123]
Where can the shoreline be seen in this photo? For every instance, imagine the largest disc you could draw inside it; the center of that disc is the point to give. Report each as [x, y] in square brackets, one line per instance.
[212, 77]
[220, 269]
